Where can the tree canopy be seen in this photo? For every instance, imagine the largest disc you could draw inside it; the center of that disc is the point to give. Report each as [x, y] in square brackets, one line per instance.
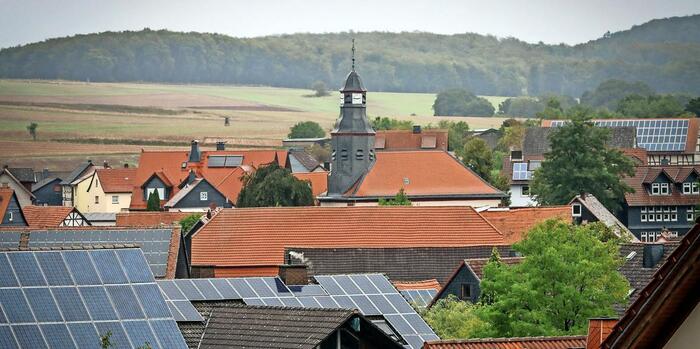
[153, 203]
[580, 162]
[664, 54]
[477, 155]
[272, 185]
[460, 102]
[306, 129]
[610, 92]
[568, 275]
[401, 199]
[651, 106]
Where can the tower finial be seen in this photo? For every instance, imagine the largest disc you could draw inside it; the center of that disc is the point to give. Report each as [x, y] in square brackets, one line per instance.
[353, 54]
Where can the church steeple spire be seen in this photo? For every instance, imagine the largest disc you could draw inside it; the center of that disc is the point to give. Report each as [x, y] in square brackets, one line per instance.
[352, 138]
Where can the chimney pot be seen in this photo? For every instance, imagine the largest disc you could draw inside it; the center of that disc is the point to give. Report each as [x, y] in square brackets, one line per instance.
[416, 129]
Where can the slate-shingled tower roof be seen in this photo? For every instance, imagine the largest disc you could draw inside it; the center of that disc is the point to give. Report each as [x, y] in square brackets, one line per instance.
[352, 139]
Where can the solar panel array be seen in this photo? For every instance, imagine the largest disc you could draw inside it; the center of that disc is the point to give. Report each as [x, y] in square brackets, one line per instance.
[9, 239]
[155, 243]
[225, 161]
[520, 172]
[68, 299]
[419, 298]
[371, 294]
[652, 134]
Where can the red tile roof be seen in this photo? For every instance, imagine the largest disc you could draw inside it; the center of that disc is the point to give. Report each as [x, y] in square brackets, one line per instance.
[45, 216]
[421, 173]
[319, 181]
[149, 219]
[564, 342]
[117, 180]
[256, 237]
[598, 330]
[5, 198]
[168, 165]
[515, 222]
[431, 284]
[407, 140]
[646, 174]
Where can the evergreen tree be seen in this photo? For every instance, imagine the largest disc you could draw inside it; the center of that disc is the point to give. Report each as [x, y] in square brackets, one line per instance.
[153, 203]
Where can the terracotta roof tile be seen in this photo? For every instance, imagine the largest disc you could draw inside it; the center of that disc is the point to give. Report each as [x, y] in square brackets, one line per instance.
[407, 140]
[117, 180]
[421, 173]
[564, 342]
[149, 219]
[319, 181]
[431, 284]
[515, 222]
[258, 236]
[45, 216]
[5, 198]
[168, 165]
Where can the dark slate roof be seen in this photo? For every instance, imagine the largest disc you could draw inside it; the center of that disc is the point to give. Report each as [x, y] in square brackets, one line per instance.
[603, 215]
[633, 269]
[305, 159]
[353, 83]
[536, 140]
[38, 185]
[243, 326]
[192, 331]
[76, 173]
[23, 174]
[399, 264]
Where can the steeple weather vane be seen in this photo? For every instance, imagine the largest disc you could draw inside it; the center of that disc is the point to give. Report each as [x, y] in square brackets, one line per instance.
[353, 54]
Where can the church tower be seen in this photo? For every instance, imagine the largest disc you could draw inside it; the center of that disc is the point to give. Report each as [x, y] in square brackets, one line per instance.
[352, 140]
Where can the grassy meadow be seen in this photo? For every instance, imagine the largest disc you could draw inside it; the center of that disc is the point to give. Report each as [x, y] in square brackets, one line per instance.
[170, 115]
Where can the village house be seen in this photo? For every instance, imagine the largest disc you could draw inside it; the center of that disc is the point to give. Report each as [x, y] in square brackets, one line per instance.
[23, 194]
[48, 192]
[364, 169]
[105, 190]
[10, 209]
[54, 216]
[415, 139]
[664, 199]
[70, 181]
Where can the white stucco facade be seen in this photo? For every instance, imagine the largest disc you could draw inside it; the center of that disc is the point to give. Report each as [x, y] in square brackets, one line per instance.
[518, 199]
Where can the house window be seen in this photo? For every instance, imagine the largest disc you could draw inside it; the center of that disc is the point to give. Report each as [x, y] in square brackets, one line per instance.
[650, 217]
[161, 192]
[664, 189]
[674, 208]
[203, 196]
[526, 190]
[696, 188]
[643, 217]
[690, 214]
[115, 199]
[687, 188]
[667, 208]
[651, 209]
[658, 217]
[667, 217]
[11, 217]
[674, 234]
[97, 199]
[97, 183]
[466, 292]
[576, 210]
[655, 189]
[343, 154]
[644, 209]
[643, 236]
[674, 217]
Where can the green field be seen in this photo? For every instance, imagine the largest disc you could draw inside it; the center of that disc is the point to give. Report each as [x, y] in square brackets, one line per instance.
[260, 116]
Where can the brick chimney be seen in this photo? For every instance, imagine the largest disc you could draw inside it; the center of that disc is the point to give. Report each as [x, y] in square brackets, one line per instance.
[294, 274]
[598, 331]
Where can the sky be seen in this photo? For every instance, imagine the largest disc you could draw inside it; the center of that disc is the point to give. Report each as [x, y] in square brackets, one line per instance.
[549, 21]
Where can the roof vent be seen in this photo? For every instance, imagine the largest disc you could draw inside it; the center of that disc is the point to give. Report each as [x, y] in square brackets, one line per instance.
[416, 129]
[406, 181]
[220, 145]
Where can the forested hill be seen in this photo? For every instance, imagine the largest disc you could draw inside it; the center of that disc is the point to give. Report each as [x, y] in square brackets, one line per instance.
[663, 53]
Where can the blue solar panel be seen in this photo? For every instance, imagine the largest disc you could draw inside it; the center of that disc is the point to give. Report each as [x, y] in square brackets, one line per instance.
[27, 269]
[243, 289]
[273, 302]
[98, 303]
[309, 302]
[307, 290]
[15, 306]
[187, 310]
[330, 285]
[129, 307]
[346, 283]
[7, 277]
[43, 305]
[290, 302]
[109, 268]
[382, 304]
[118, 338]
[206, 289]
[188, 289]
[54, 269]
[140, 334]
[170, 290]
[29, 336]
[84, 334]
[70, 303]
[151, 301]
[132, 260]
[7, 340]
[59, 336]
[260, 287]
[80, 265]
[167, 332]
[364, 305]
[366, 286]
[225, 289]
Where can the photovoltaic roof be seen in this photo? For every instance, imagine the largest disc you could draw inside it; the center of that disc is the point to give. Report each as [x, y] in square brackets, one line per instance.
[155, 243]
[69, 298]
[419, 298]
[371, 294]
[652, 134]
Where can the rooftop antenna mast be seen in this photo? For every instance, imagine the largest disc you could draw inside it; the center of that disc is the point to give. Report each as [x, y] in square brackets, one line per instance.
[353, 54]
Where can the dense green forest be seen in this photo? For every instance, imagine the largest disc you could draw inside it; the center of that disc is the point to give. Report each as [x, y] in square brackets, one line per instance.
[664, 54]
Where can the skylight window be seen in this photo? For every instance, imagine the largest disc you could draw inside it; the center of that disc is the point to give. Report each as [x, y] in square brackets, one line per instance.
[225, 161]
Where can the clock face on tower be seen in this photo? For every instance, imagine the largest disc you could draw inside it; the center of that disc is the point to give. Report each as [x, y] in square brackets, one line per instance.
[357, 98]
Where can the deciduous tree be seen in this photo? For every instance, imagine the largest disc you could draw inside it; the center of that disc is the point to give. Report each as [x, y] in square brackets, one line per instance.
[477, 155]
[272, 185]
[401, 199]
[452, 318]
[306, 129]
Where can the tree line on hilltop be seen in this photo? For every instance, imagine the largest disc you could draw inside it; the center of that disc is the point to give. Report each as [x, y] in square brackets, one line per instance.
[664, 54]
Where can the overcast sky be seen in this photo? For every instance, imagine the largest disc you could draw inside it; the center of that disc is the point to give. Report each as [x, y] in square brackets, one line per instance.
[550, 21]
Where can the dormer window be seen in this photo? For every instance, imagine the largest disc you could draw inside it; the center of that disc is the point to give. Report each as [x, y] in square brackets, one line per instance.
[690, 188]
[687, 188]
[665, 189]
[655, 189]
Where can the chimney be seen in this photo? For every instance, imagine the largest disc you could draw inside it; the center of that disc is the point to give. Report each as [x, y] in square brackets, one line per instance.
[294, 274]
[327, 165]
[126, 165]
[220, 145]
[105, 164]
[194, 151]
[416, 129]
[598, 331]
[652, 255]
[45, 173]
